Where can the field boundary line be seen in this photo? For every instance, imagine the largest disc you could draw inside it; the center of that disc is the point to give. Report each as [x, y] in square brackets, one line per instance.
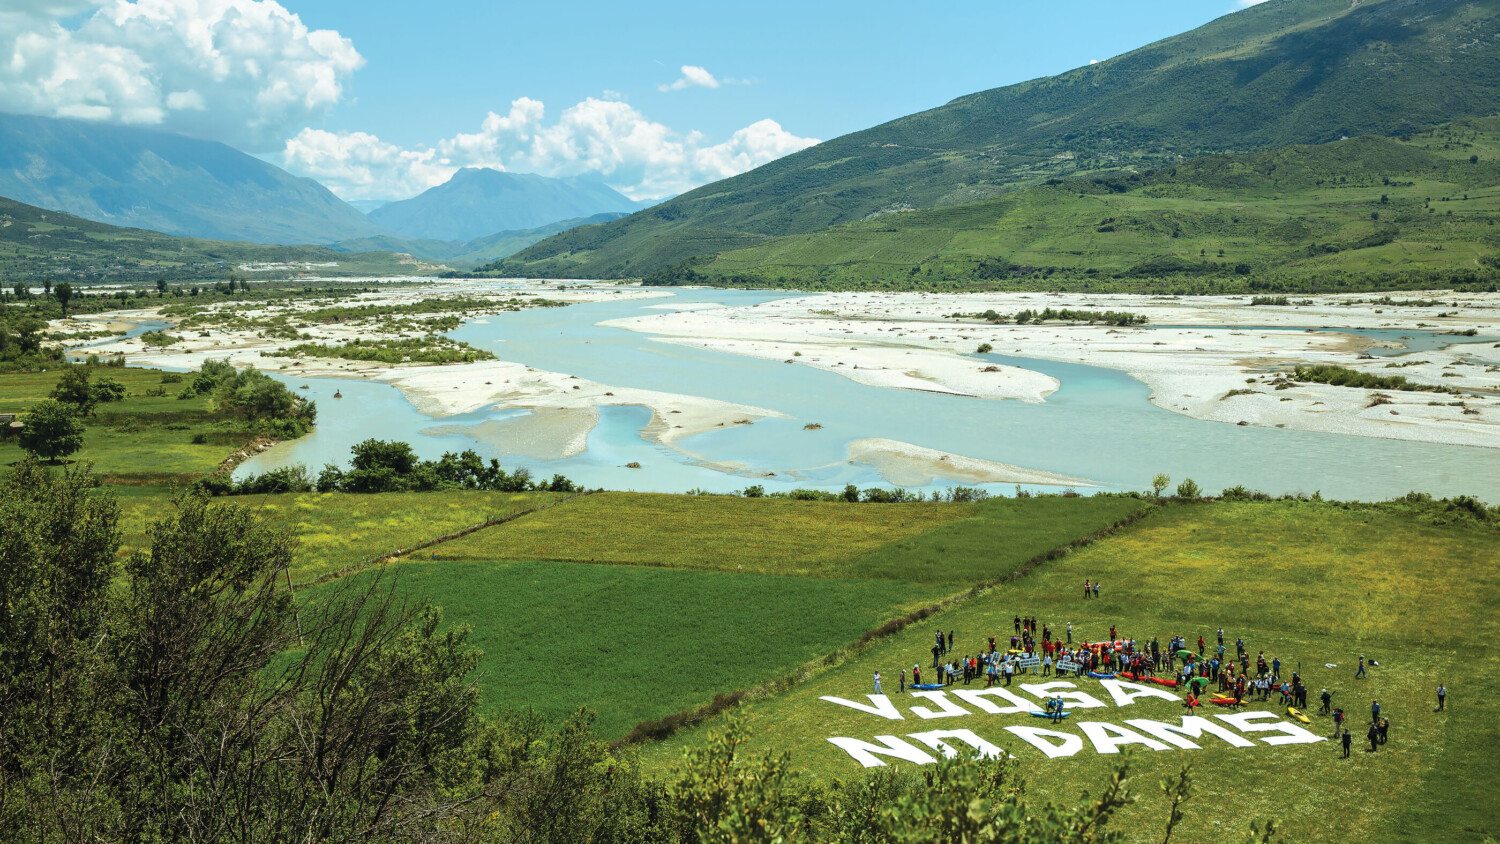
[665, 727]
[378, 559]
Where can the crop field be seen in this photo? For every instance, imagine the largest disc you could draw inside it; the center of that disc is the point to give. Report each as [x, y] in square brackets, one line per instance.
[1315, 584]
[957, 544]
[687, 597]
[335, 530]
[635, 643]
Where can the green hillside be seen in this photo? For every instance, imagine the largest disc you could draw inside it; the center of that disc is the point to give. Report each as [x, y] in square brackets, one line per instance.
[1282, 72]
[36, 243]
[1370, 211]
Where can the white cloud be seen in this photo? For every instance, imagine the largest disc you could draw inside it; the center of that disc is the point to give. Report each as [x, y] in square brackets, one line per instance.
[247, 72]
[1093, 61]
[637, 156]
[692, 77]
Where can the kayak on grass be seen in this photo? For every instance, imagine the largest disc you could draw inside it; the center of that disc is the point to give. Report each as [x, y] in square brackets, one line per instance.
[1296, 713]
[1040, 714]
[926, 687]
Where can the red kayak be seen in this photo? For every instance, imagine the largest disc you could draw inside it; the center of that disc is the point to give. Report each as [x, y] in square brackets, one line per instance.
[1223, 701]
[1172, 684]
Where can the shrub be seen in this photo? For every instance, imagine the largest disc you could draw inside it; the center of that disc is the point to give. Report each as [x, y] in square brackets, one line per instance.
[1188, 490]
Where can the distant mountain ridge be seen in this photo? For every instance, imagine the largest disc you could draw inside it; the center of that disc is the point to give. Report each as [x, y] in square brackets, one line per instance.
[139, 178]
[479, 202]
[38, 243]
[1280, 72]
[470, 253]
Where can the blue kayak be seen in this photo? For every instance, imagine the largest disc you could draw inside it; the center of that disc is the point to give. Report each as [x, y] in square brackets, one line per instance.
[926, 687]
[1098, 676]
[1046, 715]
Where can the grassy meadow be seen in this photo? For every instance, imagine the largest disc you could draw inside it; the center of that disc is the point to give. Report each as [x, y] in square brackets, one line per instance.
[636, 643]
[1315, 584]
[140, 439]
[721, 593]
[954, 544]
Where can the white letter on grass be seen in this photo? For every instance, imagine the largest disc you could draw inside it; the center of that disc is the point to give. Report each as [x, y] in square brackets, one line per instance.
[934, 740]
[865, 753]
[976, 698]
[1290, 733]
[1037, 737]
[1126, 693]
[881, 705]
[1080, 700]
[946, 708]
[1193, 726]
[1109, 738]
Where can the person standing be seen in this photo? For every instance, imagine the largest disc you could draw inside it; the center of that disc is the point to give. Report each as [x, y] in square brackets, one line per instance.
[1374, 711]
[1361, 672]
[1070, 632]
[1221, 640]
[1442, 693]
[1347, 742]
[1327, 699]
[1374, 736]
[903, 681]
[1096, 589]
[877, 682]
[950, 640]
[1385, 729]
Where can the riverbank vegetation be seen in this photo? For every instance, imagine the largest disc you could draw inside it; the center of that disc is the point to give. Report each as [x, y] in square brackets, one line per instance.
[1342, 376]
[378, 466]
[430, 348]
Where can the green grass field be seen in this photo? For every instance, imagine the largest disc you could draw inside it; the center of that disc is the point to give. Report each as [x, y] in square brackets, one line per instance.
[636, 643]
[954, 544]
[1315, 584]
[335, 530]
[141, 439]
[664, 601]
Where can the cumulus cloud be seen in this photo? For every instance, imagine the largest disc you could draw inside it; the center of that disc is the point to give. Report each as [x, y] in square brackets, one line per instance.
[637, 156]
[692, 77]
[243, 71]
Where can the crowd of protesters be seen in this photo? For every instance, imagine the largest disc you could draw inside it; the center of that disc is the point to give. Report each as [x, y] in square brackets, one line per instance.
[1193, 668]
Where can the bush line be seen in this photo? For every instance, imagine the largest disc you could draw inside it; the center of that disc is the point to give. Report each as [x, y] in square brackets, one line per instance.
[665, 727]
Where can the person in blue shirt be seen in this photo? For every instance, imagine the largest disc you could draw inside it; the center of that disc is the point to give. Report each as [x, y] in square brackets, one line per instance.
[1375, 710]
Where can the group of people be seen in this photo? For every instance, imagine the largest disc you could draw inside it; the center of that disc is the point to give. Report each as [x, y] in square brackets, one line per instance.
[1194, 667]
[1090, 589]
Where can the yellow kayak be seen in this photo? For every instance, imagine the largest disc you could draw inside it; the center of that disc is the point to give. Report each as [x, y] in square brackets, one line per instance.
[1298, 715]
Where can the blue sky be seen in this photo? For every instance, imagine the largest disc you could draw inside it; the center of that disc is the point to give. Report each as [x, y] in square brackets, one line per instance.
[382, 98]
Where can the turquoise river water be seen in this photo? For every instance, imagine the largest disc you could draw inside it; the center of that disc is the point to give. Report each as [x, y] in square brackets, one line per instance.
[1099, 426]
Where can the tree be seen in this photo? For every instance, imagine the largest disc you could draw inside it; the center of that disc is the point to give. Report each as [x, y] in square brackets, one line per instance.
[52, 430]
[1159, 484]
[47, 287]
[985, 348]
[107, 390]
[64, 294]
[161, 287]
[1189, 490]
[73, 388]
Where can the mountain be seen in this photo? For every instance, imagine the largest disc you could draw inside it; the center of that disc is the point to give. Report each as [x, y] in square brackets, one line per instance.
[1422, 207]
[1278, 73]
[36, 243]
[140, 178]
[469, 253]
[365, 206]
[480, 202]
